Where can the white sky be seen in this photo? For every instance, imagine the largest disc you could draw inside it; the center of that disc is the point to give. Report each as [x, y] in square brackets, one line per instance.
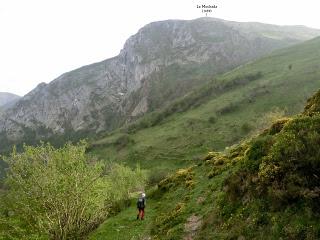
[41, 39]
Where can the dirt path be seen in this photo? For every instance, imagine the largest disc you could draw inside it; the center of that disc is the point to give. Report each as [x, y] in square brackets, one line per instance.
[191, 227]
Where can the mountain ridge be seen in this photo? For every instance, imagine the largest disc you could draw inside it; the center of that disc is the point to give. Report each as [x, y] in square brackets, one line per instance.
[219, 113]
[161, 57]
[8, 98]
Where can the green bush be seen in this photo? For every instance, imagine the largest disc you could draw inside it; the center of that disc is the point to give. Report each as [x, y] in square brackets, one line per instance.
[60, 193]
[258, 149]
[276, 187]
[283, 163]
[293, 163]
[313, 105]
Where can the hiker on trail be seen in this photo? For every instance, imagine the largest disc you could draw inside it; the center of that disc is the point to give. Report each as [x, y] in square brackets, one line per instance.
[141, 204]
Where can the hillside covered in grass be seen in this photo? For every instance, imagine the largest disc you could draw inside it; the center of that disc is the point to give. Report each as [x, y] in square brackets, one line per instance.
[218, 114]
[163, 61]
[263, 188]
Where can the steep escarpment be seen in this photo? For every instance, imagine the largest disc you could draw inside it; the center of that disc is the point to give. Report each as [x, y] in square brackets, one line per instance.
[163, 61]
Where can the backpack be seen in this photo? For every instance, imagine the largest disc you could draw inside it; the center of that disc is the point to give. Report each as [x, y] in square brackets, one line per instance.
[140, 203]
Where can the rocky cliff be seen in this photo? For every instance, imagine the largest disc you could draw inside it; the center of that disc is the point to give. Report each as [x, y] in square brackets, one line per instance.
[163, 61]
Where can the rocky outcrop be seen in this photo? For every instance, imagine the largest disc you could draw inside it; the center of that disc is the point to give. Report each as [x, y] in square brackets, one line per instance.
[163, 61]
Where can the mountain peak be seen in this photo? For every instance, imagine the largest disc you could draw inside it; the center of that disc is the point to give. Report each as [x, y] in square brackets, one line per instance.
[161, 62]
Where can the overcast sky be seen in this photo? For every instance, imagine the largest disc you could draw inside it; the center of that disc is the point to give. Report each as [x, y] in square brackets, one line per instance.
[41, 39]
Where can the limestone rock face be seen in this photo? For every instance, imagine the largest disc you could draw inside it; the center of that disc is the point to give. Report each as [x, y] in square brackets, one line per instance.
[161, 62]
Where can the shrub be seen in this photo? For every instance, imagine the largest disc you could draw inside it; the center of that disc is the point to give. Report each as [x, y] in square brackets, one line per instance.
[59, 193]
[211, 155]
[275, 117]
[181, 177]
[292, 165]
[214, 172]
[277, 126]
[283, 163]
[313, 105]
[165, 222]
[258, 149]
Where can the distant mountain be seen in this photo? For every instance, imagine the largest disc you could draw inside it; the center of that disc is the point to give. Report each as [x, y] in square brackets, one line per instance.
[163, 61]
[7, 98]
[220, 113]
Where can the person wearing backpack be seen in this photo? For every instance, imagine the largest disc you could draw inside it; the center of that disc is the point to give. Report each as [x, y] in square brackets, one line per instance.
[141, 204]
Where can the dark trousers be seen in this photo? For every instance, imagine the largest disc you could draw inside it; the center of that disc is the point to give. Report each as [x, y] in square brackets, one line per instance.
[140, 213]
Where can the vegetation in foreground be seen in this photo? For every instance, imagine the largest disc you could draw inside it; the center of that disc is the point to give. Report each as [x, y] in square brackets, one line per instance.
[60, 193]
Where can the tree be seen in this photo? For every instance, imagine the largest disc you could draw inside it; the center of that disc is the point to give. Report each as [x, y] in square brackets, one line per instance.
[59, 193]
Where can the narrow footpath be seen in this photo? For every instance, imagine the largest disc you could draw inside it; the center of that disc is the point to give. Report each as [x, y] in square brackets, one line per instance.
[125, 226]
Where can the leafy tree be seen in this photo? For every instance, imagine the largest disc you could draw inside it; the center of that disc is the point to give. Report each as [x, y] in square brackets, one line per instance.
[60, 193]
[125, 181]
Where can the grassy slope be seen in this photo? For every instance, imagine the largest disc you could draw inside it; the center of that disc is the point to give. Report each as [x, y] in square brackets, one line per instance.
[199, 191]
[125, 225]
[289, 76]
[189, 192]
[264, 188]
